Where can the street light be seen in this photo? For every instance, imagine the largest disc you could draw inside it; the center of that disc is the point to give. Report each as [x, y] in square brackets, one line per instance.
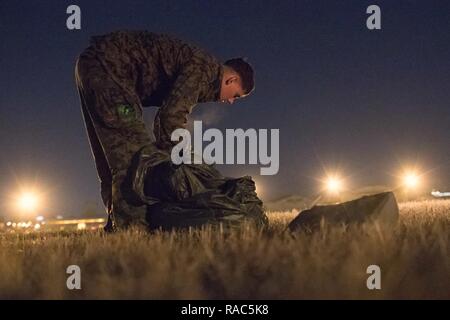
[411, 180]
[333, 184]
[28, 201]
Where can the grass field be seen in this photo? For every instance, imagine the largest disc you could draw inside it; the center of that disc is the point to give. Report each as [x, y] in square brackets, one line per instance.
[414, 258]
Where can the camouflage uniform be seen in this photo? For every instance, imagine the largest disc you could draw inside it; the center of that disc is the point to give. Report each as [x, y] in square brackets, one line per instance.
[116, 76]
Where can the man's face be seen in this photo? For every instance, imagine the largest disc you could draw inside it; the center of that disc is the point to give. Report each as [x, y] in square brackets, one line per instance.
[231, 89]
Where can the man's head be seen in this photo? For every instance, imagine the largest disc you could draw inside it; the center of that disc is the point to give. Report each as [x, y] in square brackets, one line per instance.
[237, 80]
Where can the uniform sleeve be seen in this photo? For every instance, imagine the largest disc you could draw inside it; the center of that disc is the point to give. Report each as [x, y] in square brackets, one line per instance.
[190, 82]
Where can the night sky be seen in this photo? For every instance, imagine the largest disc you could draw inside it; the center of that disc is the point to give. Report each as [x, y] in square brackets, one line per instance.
[364, 102]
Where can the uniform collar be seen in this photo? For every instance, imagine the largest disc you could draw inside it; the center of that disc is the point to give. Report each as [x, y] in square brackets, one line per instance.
[217, 84]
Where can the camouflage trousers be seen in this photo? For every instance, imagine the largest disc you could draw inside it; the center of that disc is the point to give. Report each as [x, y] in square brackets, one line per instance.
[116, 130]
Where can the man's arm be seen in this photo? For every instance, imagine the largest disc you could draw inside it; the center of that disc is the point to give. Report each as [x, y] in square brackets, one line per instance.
[190, 82]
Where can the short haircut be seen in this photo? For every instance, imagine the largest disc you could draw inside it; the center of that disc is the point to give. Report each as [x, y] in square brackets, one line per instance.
[245, 71]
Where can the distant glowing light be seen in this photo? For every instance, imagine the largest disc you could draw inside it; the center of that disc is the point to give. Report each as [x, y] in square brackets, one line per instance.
[439, 194]
[28, 201]
[333, 184]
[81, 226]
[39, 218]
[411, 180]
[37, 226]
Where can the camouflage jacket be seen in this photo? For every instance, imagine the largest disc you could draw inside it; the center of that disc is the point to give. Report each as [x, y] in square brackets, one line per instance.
[162, 71]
